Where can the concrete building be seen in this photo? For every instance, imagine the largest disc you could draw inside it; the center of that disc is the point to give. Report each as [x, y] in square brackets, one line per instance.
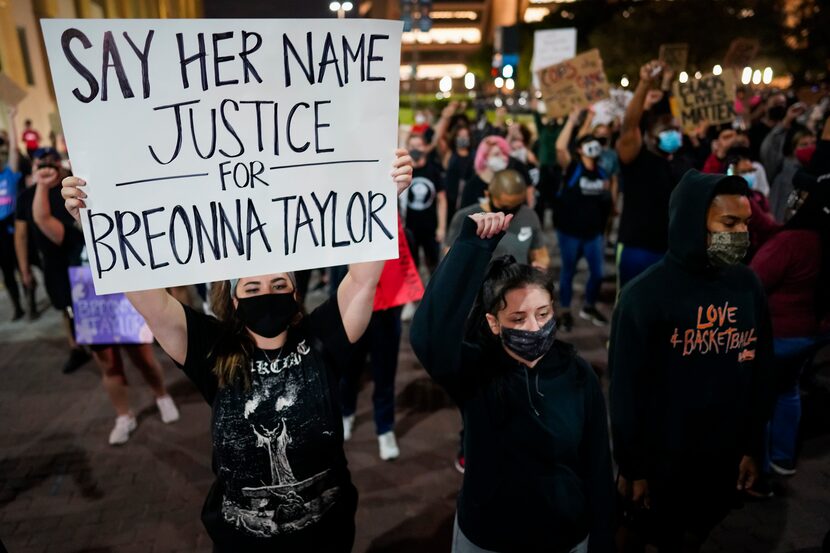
[23, 57]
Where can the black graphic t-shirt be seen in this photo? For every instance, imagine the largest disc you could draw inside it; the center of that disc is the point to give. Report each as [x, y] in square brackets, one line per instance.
[422, 198]
[583, 202]
[281, 475]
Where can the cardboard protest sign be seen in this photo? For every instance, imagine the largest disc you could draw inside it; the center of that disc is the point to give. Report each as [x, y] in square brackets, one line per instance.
[399, 282]
[711, 99]
[741, 52]
[674, 55]
[11, 93]
[551, 46]
[217, 149]
[577, 82]
[108, 319]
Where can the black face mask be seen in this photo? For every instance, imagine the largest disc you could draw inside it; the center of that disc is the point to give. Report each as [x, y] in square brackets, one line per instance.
[267, 315]
[777, 113]
[506, 211]
[529, 344]
[416, 155]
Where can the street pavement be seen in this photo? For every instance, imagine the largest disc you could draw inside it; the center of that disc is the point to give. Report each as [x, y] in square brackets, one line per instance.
[63, 489]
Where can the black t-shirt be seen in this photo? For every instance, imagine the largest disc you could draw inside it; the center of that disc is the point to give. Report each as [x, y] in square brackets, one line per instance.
[757, 133]
[55, 258]
[473, 192]
[648, 182]
[281, 474]
[582, 202]
[459, 173]
[422, 198]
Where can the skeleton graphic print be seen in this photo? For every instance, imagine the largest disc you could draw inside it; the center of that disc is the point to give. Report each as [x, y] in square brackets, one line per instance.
[277, 443]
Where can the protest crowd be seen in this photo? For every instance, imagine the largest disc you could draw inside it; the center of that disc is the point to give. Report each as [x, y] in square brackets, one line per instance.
[719, 234]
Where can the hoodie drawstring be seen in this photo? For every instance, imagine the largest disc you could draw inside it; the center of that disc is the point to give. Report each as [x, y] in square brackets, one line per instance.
[527, 385]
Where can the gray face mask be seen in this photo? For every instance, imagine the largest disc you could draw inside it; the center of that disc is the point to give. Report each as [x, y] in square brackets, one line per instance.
[727, 248]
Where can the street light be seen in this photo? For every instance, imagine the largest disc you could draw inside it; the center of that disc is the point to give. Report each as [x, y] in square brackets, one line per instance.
[746, 76]
[341, 8]
[767, 75]
[499, 82]
[684, 77]
[717, 70]
[469, 81]
[698, 75]
[756, 77]
[624, 82]
[507, 72]
[510, 84]
[445, 84]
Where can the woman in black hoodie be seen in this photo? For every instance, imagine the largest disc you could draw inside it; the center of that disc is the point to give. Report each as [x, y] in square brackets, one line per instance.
[538, 471]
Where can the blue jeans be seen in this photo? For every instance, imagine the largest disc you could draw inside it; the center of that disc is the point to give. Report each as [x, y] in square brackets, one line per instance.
[381, 342]
[782, 430]
[633, 261]
[572, 249]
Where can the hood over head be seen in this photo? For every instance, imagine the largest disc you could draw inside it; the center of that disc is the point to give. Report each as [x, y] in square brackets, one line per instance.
[688, 206]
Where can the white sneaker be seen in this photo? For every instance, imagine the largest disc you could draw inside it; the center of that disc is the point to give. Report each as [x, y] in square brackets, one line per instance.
[167, 409]
[388, 446]
[348, 424]
[408, 312]
[124, 424]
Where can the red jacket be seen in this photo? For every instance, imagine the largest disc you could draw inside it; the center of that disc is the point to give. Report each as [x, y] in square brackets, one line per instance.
[714, 165]
[788, 265]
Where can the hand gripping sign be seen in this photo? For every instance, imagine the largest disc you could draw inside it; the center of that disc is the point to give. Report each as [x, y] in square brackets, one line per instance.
[228, 148]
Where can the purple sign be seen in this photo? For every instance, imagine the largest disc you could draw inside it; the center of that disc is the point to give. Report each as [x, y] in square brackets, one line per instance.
[109, 319]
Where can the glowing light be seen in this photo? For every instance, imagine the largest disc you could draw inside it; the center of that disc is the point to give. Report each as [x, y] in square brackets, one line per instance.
[698, 74]
[470, 15]
[756, 76]
[334, 6]
[444, 35]
[347, 6]
[746, 75]
[498, 103]
[434, 71]
[510, 84]
[684, 77]
[507, 71]
[445, 84]
[469, 81]
[767, 75]
[624, 82]
[499, 82]
[536, 14]
[717, 70]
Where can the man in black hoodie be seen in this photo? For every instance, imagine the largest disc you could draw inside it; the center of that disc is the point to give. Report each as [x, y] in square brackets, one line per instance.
[689, 361]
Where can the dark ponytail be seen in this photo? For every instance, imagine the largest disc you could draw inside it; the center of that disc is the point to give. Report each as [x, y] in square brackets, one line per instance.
[503, 275]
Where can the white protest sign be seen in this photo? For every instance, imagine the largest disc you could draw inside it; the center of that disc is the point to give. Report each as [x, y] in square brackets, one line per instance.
[551, 46]
[606, 111]
[217, 149]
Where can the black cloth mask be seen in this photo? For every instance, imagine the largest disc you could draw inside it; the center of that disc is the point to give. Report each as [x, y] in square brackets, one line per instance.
[529, 344]
[267, 315]
[777, 113]
[504, 210]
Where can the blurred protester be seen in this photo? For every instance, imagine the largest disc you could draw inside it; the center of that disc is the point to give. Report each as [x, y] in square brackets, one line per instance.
[547, 131]
[30, 137]
[10, 179]
[690, 359]
[650, 169]
[523, 239]
[794, 268]
[491, 157]
[522, 159]
[739, 162]
[426, 206]
[60, 229]
[776, 146]
[716, 162]
[54, 256]
[539, 471]
[580, 215]
[772, 112]
[798, 152]
[459, 167]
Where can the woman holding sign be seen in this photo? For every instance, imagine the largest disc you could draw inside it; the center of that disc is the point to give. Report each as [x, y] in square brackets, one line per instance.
[538, 465]
[270, 374]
